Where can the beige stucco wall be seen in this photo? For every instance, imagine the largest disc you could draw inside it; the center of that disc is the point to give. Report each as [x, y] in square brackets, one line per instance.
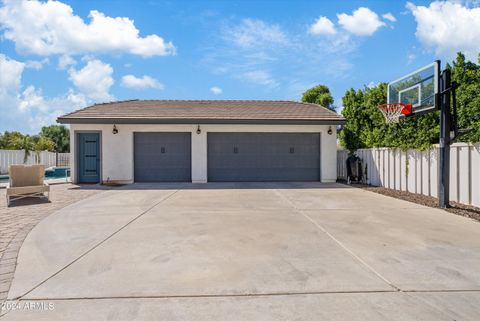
[117, 150]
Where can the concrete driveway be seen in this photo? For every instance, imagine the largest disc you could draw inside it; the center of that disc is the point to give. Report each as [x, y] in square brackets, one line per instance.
[281, 251]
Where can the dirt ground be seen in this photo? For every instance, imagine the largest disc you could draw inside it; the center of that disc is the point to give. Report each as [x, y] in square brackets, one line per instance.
[455, 208]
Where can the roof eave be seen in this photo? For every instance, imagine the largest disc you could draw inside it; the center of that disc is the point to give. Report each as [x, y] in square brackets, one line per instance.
[71, 120]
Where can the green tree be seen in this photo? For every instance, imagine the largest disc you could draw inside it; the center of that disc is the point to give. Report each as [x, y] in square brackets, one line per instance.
[319, 95]
[41, 143]
[59, 135]
[351, 133]
[467, 74]
[12, 140]
[37, 144]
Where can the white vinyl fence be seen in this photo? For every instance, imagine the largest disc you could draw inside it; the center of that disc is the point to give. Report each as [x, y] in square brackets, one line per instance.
[10, 157]
[417, 171]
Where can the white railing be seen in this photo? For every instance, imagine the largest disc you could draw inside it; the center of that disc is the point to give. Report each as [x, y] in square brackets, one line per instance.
[10, 157]
[417, 171]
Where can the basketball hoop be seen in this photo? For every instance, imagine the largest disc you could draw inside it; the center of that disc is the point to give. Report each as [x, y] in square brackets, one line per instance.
[393, 111]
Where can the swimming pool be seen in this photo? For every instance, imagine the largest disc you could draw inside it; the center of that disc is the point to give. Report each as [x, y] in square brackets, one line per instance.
[50, 173]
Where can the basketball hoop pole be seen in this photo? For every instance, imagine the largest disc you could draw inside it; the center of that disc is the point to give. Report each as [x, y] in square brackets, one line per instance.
[445, 140]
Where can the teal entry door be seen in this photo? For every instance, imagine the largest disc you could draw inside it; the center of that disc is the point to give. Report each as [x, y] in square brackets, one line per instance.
[89, 158]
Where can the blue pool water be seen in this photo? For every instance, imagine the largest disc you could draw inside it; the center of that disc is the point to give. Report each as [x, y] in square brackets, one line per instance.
[57, 172]
[51, 173]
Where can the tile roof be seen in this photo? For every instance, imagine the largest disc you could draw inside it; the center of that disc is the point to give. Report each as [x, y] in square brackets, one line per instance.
[203, 111]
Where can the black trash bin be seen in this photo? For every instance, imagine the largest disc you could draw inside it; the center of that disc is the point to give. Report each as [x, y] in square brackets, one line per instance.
[354, 169]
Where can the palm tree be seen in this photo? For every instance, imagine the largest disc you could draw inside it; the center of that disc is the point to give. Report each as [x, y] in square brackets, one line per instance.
[27, 146]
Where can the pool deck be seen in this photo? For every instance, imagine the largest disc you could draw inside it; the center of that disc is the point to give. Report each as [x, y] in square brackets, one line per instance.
[52, 181]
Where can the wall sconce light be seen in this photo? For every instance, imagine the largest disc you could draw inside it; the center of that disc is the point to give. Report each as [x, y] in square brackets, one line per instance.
[199, 131]
[115, 130]
[330, 131]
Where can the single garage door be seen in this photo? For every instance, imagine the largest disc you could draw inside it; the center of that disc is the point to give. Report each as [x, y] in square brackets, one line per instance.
[250, 157]
[162, 157]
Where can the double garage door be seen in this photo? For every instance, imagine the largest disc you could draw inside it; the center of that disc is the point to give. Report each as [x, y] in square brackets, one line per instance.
[231, 157]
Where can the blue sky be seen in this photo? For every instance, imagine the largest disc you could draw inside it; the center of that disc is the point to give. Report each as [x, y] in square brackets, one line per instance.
[59, 56]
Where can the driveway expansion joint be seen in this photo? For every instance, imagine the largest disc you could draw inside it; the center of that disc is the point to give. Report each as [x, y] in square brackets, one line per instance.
[189, 296]
[98, 244]
[339, 243]
[239, 295]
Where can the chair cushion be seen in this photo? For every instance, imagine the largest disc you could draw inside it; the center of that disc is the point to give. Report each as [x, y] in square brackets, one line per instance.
[26, 175]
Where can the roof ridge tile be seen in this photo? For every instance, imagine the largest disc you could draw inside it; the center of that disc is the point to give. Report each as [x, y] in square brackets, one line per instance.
[201, 109]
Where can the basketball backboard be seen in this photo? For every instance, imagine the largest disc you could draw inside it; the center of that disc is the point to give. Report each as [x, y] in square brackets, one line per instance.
[418, 88]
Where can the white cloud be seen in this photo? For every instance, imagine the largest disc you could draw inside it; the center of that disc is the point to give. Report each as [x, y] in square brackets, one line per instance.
[388, 16]
[245, 49]
[10, 75]
[410, 58]
[130, 81]
[94, 80]
[64, 61]
[341, 43]
[36, 64]
[216, 90]
[38, 111]
[51, 27]
[260, 77]
[29, 110]
[448, 27]
[253, 32]
[297, 57]
[323, 26]
[32, 98]
[363, 22]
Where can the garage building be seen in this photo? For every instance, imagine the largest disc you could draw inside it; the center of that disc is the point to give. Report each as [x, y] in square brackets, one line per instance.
[203, 141]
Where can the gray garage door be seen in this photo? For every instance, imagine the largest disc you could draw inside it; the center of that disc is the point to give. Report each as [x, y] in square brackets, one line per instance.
[250, 157]
[162, 157]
